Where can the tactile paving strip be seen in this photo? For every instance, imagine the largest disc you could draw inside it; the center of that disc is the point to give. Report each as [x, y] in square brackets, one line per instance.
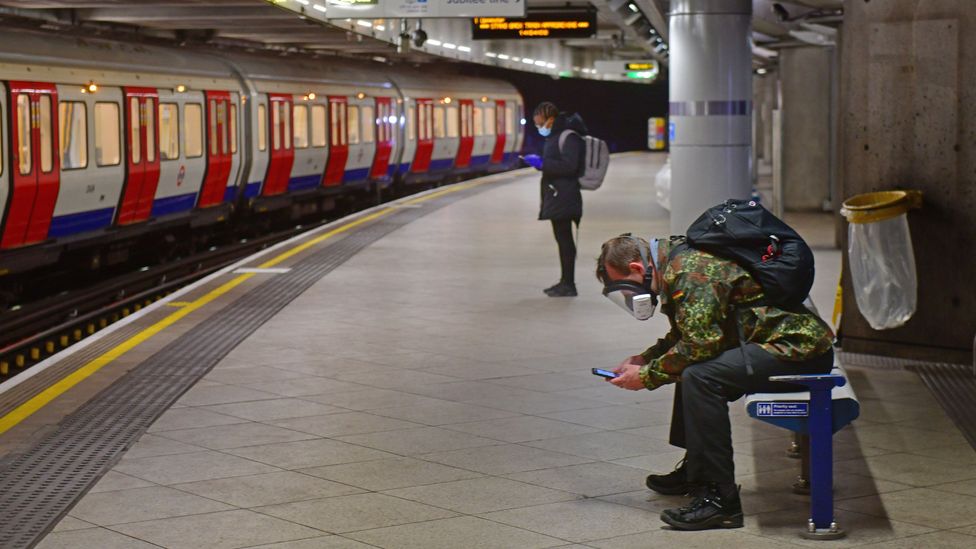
[39, 487]
[953, 385]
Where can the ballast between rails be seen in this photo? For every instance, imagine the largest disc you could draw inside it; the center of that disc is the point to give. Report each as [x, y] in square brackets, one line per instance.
[38, 334]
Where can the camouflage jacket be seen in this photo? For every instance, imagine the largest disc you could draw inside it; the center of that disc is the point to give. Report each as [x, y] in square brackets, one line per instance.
[700, 295]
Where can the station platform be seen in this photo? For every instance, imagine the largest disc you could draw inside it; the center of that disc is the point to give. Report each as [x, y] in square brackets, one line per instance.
[399, 380]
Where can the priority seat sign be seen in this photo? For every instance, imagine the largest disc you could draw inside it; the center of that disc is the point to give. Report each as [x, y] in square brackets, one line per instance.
[782, 409]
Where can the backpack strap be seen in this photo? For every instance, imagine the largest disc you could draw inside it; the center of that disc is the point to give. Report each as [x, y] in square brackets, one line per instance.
[562, 138]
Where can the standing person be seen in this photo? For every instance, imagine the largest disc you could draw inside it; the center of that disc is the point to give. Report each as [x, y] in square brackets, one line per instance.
[562, 203]
[710, 302]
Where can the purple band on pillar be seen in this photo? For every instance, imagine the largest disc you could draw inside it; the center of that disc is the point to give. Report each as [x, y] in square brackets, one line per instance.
[710, 108]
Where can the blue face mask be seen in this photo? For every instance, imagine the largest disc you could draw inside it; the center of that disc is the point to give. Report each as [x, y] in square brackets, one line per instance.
[544, 131]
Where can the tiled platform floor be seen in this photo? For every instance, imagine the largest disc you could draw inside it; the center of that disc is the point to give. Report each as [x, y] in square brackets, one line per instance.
[427, 395]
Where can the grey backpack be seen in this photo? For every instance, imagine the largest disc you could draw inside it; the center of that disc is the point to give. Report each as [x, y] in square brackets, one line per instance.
[596, 159]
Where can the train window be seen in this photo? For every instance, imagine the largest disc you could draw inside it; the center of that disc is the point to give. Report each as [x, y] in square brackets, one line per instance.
[381, 122]
[169, 132]
[343, 123]
[410, 124]
[333, 123]
[421, 122]
[489, 120]
[318, 126]
[73, 119]
[440, 131]
[193, 128]
[300, 114]
[233, 129]
[222, 125]
[213, 127]
[107, 142]
[150, 110]
[262, 128]
[46, 134]
[1, 141]
[275, 127]
[479, 121]
[452, 122]
[465, 121]
[134, 141]
[369, 125]
[286, 121]
[353, 115]
[24, 144]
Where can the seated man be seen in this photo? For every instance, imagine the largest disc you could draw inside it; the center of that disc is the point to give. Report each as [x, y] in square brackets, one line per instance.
[723, 343]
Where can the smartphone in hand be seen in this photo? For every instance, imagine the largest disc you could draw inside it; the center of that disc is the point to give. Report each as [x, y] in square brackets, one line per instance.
[603, 373]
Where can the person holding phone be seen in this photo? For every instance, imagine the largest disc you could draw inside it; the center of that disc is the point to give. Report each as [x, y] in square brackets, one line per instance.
[723, 343]
[561, 200]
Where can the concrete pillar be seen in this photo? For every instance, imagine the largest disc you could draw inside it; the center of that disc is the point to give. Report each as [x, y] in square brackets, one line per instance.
[710, 84]
[805, 75]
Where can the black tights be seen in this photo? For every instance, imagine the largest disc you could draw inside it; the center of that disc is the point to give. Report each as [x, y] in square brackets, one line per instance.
[562, 229]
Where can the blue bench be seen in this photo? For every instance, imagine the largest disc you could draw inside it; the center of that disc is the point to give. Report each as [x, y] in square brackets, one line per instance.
[826, 408]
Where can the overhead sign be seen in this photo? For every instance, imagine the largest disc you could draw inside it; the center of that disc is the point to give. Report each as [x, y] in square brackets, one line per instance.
[641, 69]
[389, 9]
[537, 24]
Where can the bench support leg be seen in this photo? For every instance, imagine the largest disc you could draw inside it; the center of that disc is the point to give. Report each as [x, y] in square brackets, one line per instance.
[821, 524]
[802, 484]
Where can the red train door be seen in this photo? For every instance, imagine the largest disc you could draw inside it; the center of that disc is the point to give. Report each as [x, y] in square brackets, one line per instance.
[282, 155]
[335, 168]
[142, 161]
[498, 154]
[218, 149]
[36, 172]
[425, 135]
[467, 133]
[384, 138]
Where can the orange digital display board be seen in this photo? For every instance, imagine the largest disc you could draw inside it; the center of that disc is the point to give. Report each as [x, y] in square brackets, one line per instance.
[542, 24]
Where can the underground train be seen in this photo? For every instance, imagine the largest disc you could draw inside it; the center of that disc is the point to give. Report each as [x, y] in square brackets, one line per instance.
[106, 145]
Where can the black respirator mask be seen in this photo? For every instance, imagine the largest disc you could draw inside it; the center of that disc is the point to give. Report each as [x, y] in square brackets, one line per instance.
[635, 298]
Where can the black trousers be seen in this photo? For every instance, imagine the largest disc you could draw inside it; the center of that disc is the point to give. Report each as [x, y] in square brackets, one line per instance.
[562, 229]
[700, 418]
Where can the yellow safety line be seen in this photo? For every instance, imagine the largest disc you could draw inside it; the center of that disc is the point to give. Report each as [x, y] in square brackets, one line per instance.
[23, 411]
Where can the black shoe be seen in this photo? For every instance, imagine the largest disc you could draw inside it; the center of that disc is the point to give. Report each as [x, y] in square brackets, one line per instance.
[551, 288]
[674, 483]
[710, 509]
[562, 290]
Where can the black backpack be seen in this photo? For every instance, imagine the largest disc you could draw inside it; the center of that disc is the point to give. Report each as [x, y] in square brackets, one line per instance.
[773, 253]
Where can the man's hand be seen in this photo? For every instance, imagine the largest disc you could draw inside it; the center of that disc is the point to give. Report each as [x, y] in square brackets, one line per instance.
[628, 377]
[533, 160]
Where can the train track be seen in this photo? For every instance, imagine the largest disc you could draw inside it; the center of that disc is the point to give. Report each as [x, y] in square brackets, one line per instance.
[38, 330]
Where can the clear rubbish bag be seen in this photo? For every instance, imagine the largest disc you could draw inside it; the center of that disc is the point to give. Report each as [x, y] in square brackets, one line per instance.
[881, 257]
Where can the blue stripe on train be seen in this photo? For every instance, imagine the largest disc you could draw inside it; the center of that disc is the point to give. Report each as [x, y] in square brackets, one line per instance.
[356, 175]
[81, 222]
[173, 204]
[441, 164]
[230, 193]
[252, 189]
[479, 160]
[304, 182]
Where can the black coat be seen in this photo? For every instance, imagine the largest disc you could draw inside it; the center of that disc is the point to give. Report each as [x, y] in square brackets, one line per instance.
[561, 198]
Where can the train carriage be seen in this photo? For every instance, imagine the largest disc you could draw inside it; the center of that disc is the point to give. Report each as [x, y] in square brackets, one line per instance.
[106, 143]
